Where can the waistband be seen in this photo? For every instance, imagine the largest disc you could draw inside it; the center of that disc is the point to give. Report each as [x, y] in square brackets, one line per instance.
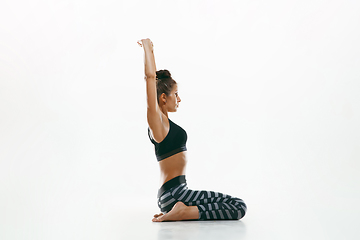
[171, 183]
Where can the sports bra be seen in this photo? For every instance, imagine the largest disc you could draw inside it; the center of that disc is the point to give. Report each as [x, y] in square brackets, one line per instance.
[173, 143]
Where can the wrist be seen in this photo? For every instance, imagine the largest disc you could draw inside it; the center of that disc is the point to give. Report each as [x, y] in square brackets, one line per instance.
[148, 48]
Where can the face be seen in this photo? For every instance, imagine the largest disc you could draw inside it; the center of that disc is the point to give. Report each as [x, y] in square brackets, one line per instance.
[173, 100]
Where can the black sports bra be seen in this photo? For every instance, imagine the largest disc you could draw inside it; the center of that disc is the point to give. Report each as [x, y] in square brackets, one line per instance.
[173, 143]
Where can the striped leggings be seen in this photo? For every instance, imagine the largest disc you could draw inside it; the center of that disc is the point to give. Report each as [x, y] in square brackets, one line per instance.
[211, 205]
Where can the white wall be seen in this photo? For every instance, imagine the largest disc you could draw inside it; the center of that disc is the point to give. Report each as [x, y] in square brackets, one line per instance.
[270, 102]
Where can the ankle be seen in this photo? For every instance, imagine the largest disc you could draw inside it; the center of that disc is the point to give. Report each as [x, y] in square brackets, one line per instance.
[190, 212]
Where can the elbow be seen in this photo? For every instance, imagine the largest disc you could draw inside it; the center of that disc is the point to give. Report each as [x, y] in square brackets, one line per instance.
[149, 76]
[152, 109]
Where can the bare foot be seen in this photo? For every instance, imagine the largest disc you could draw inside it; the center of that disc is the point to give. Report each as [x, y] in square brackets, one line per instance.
[179, 212]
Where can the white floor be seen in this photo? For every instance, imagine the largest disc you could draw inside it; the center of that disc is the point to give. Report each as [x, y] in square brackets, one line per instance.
[326, 221]
[96, 216]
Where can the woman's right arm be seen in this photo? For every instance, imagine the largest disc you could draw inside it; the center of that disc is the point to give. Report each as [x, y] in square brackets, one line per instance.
[154, 114]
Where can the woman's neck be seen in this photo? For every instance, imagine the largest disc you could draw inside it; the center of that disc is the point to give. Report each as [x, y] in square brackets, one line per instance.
[164, 111]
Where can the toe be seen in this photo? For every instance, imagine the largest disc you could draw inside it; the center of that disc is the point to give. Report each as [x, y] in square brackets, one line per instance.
[158, 215]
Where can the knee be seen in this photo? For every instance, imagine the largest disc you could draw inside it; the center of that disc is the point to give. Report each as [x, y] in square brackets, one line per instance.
[242, 210]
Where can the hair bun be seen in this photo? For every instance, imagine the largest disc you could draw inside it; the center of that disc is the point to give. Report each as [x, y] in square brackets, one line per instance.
[161, 74]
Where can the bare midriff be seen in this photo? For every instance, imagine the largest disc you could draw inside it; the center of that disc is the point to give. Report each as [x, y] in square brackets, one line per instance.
[172, 166]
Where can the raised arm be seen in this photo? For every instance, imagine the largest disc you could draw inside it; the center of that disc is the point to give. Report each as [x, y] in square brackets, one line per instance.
[154, 115]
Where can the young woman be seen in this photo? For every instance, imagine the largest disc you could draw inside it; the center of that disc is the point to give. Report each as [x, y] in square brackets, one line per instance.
[175, 200]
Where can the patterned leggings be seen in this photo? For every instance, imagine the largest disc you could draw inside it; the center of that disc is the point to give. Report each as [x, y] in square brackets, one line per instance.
[211, 205]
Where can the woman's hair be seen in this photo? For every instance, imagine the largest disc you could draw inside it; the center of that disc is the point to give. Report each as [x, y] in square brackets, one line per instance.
[164, 83]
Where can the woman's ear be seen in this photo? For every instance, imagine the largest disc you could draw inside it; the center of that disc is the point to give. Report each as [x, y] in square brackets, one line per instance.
[163, 97]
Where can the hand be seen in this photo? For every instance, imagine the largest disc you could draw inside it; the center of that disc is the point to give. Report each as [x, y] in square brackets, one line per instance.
[146, 43]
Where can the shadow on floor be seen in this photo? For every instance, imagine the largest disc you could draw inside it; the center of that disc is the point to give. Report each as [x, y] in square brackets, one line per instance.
[230, 229]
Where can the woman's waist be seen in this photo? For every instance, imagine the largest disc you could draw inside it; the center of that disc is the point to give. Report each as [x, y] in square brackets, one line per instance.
[174, 162]
[172, 167]
[166, 176]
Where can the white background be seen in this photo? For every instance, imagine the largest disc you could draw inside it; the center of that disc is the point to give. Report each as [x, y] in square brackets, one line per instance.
[270, 102]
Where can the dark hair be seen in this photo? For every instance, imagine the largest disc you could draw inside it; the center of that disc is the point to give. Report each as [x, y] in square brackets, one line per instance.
[164, 83]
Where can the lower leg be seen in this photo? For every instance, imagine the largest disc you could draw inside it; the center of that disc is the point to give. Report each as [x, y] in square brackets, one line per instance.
[179, 212]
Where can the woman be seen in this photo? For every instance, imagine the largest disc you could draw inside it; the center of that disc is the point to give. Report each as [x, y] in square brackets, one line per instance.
[175, 200]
